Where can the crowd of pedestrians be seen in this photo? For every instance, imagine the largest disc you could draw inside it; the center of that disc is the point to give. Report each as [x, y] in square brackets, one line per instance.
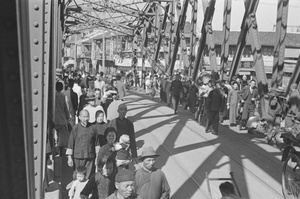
[93, 132]
[236, 100]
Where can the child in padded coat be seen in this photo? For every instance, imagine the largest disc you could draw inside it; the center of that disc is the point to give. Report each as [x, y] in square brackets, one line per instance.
[123, 153]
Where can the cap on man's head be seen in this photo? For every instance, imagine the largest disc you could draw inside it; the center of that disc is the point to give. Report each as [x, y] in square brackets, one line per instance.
[59, 71]
[124, 175]
[148, 152]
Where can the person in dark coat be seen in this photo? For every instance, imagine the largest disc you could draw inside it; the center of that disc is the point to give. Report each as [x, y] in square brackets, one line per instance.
[176, 89]
[193, 93]
[250, 96]
[214, 106]
[163, 94]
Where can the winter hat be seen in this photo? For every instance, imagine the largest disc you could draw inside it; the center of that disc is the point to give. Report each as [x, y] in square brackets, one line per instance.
[124, 175]
[124, 139]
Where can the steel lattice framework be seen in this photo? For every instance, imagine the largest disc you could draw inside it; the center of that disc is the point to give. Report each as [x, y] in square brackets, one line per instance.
[122, 16]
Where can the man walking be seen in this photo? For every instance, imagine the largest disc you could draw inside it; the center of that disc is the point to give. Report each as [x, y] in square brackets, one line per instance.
[249, 97]
[214, 106]
[124, 126]
[176, 89]
[83, 144]
[124, 182]
[150, 182]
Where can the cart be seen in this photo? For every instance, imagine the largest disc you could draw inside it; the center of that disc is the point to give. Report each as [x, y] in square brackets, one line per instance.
[291, 166]
[222, 179]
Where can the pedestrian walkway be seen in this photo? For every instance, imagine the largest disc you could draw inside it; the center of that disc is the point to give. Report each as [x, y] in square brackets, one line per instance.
[187, 152]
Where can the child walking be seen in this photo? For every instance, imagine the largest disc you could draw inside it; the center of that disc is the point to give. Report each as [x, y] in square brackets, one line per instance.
[79, 183]
[102, 183]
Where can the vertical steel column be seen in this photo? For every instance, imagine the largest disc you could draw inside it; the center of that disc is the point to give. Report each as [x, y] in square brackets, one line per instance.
[295, 78]
[14, 162]
[226, 33]
[183, 49]
[31, 34]
[193, 39]
[249, 8]
[180, 26]
[281, 25]
[208, 14]
[258, 60]
[171, 36]
[161, 29]
[209, 39]
[48, 75]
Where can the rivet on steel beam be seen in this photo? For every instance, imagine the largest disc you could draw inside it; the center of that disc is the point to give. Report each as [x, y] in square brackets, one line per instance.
[35, 41]
[35, 141]
[35, 125]
[35, 157]
[35, 108]
[46, 12]
[36, 24]
[35, 173]
[35, 189]
[36, 7]
[45, 32]
[35, 75]
[35, 91]
[35, 58]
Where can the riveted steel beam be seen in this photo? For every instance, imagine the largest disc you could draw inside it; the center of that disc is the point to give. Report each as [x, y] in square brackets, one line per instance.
[179, 28]
[162, 29]
[210, 41]
[258, 61]
[183, 49]
[281, 25]
[171, 35]
[295, 78]
[208, 14]
[226, 33]
[31, 33]
[250, 7]
[193, 41]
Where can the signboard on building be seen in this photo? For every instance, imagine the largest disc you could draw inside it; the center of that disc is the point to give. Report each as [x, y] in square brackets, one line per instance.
[93, 51]
[111, 49]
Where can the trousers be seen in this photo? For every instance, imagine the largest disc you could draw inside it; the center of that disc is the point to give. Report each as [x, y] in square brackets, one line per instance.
[213, 121]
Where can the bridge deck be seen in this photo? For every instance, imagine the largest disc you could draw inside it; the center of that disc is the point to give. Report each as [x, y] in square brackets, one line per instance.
[187, 152]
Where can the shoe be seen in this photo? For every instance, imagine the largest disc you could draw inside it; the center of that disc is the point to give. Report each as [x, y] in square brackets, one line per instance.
[214, 133]
[207, 131]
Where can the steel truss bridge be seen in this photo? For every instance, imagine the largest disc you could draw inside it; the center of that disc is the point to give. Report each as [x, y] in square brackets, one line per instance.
[32, 39]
